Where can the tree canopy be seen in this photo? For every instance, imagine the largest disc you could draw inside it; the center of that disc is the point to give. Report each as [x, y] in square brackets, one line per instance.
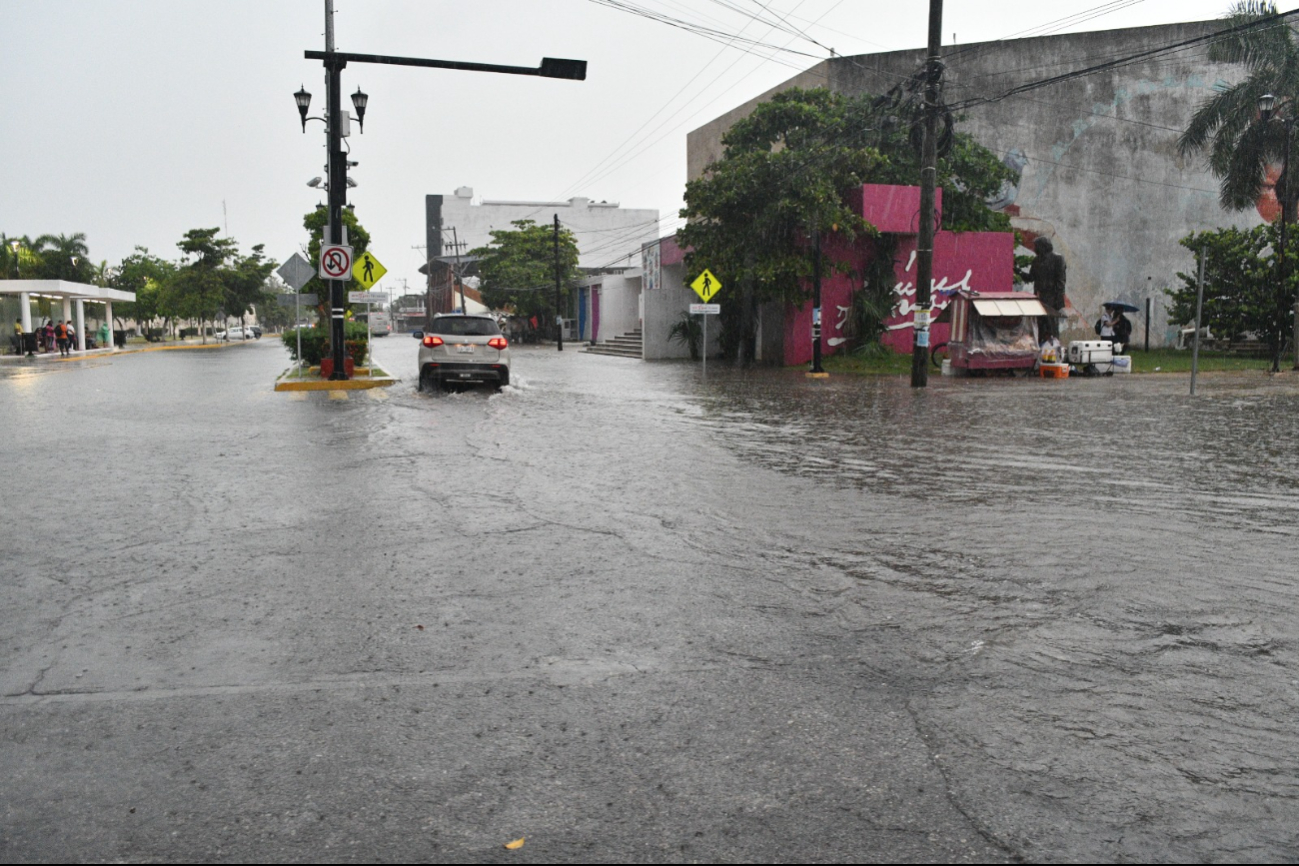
[1242, 150]
[789, 171]
[518, 267]
[1241, 294]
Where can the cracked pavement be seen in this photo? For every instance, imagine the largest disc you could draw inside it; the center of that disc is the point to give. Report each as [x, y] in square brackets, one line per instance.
[631, 616]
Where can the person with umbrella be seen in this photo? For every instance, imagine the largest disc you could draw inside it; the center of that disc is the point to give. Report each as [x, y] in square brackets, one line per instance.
[1114, 326]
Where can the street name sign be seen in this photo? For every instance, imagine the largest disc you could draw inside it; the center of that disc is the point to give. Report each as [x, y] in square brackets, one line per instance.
[335, 261]
[306, 299]
[705, 309]
[706, 286]
[367, 271]
[296, 271]
[367, 297]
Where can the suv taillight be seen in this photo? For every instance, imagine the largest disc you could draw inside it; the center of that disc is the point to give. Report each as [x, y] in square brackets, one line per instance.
[432, 340]
[498, 343]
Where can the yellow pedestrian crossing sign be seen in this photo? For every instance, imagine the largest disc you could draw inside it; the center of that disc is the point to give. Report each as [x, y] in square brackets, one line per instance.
[706, 286]
[367, 271]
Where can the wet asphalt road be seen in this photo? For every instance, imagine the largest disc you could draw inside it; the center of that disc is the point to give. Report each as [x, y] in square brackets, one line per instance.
[632, 616]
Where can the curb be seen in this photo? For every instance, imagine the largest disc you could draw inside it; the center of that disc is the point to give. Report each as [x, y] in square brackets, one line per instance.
[358, 382]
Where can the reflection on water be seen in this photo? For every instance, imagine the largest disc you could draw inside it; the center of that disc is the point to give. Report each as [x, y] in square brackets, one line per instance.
[1140, 442]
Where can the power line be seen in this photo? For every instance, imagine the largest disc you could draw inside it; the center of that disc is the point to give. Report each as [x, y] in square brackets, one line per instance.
[1121, 62]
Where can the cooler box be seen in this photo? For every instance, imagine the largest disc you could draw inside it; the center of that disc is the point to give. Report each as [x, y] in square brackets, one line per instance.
[1091, 352]
[1053, 371]
[1122, 364]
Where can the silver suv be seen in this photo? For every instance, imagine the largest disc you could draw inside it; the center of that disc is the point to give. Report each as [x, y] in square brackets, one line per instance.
[462, 349]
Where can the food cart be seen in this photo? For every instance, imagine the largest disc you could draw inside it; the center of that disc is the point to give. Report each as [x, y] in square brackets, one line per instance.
[991, 330]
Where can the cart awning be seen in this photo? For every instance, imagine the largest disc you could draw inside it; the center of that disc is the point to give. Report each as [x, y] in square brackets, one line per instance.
[1025, 307]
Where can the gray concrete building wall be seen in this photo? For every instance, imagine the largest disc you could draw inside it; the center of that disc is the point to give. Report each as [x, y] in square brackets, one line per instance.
[607, 234]
[1101, 176]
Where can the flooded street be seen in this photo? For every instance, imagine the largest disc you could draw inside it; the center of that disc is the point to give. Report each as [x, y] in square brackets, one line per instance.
[630, 615]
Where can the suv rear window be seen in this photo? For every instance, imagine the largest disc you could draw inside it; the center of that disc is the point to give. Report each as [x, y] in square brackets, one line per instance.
[465, 326]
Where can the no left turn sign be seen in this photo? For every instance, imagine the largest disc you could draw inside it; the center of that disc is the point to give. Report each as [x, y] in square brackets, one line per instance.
[335, 262]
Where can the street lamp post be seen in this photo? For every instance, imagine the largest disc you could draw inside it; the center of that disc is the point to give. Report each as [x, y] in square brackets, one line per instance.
[334, 61]
[337, 185]
[1267, 105]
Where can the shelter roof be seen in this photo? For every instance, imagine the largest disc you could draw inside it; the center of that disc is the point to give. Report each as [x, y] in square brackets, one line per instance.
[64, 289]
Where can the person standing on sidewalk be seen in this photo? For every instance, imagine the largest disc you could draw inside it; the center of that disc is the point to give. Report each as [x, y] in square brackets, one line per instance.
[61, 337]
[18, 336]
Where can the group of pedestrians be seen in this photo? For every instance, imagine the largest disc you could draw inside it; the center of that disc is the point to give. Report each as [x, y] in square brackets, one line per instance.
[49, 337]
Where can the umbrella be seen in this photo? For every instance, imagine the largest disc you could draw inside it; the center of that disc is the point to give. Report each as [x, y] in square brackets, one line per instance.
[1121, 306]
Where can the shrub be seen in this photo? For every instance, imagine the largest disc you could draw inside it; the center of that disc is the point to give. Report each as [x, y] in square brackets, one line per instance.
[315, 343]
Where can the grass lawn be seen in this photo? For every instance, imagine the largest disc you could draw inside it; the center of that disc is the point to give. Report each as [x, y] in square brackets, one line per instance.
[1154, 361]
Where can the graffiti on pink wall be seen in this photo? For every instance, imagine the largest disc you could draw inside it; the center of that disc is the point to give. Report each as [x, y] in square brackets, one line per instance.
[981, 261]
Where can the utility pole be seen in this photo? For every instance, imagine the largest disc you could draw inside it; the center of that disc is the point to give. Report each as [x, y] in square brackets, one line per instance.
[817, 371]
[559, 313]
[928, 181]
[337, 170]
[455, 272]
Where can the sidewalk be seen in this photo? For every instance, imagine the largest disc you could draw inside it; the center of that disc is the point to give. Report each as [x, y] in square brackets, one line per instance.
[131, 348]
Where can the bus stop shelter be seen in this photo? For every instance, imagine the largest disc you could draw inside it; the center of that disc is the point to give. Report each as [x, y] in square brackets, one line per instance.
[71, 295]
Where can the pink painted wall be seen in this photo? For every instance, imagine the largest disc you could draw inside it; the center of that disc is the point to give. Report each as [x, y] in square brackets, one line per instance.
[983, 261]
[894, 209]
[670, 253]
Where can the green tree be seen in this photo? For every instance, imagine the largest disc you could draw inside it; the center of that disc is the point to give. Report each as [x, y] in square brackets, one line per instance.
[357, 237]
[270, 312]
[64, 257]
[144, 274]
[23, 263]
[245, 282]
[1241, 150]
[518, 268]
[197, 290]
[791, 170]
[1240, 279]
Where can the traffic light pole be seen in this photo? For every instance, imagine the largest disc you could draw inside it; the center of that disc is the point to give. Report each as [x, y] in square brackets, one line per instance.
[574, 70]
[337, 194]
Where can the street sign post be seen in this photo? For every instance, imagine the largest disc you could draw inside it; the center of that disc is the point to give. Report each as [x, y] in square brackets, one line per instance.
[367, 271]
[335, 262]
[297, 272]
[706, 286]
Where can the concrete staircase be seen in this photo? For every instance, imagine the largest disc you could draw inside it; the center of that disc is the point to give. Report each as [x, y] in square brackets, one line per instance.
[623, 346]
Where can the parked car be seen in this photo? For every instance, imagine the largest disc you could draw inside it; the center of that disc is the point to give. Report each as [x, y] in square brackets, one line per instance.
[252, 332]
[463, 349]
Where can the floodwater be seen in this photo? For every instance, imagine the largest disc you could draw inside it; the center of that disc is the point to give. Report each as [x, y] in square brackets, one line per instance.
[635, 615]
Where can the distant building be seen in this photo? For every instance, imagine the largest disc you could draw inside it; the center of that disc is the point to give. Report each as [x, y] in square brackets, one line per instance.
[1099, 171]
[608, 235]
[609, 240]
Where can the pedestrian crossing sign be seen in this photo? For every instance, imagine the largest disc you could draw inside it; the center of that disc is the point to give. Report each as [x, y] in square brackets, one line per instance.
[367, 271]
[706, 286]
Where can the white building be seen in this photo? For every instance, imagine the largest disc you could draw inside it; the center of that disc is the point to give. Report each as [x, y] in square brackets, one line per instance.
[609, 241]
[608, 235]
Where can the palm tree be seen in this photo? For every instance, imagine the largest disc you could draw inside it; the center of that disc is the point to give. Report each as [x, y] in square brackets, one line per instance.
[1242, 149]
[66, 256]
[24, 262]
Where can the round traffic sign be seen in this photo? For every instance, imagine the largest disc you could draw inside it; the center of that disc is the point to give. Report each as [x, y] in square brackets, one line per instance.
[335, 262]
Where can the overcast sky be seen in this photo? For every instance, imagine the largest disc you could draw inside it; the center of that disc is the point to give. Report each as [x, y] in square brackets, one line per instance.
[135, 121]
